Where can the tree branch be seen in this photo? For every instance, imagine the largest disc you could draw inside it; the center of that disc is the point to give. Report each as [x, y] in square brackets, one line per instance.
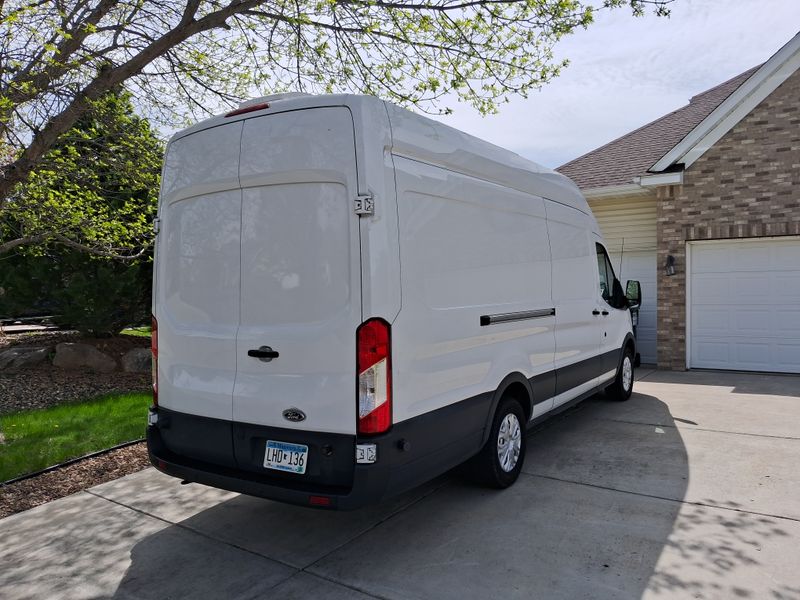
[108, 78]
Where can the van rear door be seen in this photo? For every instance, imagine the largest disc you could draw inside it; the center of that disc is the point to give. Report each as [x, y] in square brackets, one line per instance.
[300, 272]
[197, 273]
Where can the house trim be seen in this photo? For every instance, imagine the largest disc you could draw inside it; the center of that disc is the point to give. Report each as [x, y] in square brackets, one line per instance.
[675, 178]
[617, 191]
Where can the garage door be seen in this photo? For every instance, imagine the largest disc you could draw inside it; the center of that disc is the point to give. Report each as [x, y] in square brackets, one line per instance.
[744, 303]
[641, 266]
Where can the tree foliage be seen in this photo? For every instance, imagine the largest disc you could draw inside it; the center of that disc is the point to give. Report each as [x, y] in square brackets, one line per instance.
[96, 188]
[57, 57]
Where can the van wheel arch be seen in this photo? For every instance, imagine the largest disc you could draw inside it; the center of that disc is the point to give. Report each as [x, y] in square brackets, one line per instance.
[618, 389]
[628, 344]
[514, 385]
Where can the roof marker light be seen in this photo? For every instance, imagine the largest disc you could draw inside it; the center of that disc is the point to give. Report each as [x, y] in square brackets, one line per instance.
[247, 109]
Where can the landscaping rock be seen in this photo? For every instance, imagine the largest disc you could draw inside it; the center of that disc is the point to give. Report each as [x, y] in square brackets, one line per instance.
[138, 360]
[21, 357]
[78, 356]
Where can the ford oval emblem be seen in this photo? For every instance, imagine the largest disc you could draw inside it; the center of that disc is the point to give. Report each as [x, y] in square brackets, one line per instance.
[295, 415]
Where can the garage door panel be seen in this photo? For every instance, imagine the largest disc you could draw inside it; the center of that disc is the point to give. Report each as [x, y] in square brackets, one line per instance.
[753, 354]
[745, 305]
[750, 258]
[752, 321]
[712, 319]
[713, 353]
[748, 355]
[641, 266]
[787, 357]
[784, 258]
[714, 288]
[647, 319]
[788, 320]
[749, 287]
[713, 260]
[788, 286]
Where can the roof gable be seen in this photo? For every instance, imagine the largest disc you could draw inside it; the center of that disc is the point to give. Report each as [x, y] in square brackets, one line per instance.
[619, 161]
[735, 107]
[679, 138]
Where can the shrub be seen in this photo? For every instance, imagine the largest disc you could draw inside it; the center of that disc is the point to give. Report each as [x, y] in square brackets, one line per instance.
[94, 295]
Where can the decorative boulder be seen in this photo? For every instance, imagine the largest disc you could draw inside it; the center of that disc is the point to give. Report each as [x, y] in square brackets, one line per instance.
[138, 360]
[20, 358]
[71, 355]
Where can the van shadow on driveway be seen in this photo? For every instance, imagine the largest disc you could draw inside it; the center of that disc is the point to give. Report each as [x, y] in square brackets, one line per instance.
[596, 514]
[616, 501]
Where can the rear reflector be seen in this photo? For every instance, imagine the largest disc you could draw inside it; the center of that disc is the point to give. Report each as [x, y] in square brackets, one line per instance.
[374, 365]
[154, 350]
[247, 109]
[319, 501]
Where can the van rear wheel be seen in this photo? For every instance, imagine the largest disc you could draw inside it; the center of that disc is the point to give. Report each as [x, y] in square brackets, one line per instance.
[622, 388]
[499, 462]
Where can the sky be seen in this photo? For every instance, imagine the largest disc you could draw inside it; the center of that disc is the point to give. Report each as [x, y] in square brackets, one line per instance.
[625, 72]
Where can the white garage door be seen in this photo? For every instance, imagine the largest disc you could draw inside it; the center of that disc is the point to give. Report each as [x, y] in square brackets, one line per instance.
[641, 266]
[744, 300]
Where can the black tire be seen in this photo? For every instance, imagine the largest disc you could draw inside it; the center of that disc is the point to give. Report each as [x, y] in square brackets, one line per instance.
[486, 467]
[622, 388]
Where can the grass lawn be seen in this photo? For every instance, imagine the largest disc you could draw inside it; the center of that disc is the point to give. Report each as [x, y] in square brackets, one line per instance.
[144, 331]
[37, 439]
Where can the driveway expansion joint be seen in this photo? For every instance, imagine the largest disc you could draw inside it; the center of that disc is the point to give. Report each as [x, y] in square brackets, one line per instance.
[391, 515]
[192, 530]
[334, 581]
[296, 570]
[696, 428]
[656, 497]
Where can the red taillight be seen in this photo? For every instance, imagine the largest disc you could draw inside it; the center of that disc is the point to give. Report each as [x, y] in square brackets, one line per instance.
[154, 349]
[374, 366]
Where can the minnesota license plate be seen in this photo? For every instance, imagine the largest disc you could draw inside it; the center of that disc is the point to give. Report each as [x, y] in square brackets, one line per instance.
[283, 456]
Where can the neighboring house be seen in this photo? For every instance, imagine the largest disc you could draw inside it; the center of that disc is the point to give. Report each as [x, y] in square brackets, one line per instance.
[711, 191]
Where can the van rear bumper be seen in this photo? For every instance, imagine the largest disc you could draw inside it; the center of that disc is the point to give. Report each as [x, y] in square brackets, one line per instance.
[367, 490]
[356, 488]
[403, 462]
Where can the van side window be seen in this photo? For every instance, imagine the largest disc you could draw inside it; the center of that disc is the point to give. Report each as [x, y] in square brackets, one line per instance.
[606, 273]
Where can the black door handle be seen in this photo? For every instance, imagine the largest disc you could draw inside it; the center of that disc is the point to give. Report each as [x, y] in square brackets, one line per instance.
[605, 313]
[595, 312]
[264, 353]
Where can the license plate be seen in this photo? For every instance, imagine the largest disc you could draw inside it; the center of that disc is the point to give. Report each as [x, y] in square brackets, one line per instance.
[283, 456]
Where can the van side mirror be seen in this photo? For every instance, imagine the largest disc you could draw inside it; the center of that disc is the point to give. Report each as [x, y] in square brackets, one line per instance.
[633, 293]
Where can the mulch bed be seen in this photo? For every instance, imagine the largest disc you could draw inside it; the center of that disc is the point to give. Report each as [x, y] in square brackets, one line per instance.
[46, 386]
[25, 494]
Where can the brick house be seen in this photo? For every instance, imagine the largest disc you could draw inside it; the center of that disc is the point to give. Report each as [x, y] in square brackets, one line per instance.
[703, 207]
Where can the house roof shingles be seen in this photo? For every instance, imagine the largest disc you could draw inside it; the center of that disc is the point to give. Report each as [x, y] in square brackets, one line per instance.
[618, 162]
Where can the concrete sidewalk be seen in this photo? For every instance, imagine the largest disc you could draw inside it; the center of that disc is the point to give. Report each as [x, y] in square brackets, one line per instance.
[689, 490]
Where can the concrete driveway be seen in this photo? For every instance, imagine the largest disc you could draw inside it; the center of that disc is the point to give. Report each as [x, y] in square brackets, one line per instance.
[689, 490]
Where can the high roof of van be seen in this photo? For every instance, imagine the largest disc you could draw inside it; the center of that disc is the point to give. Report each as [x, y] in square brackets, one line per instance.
[421, 138]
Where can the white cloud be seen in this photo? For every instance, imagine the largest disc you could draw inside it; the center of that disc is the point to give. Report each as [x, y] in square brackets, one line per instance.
[627, 71]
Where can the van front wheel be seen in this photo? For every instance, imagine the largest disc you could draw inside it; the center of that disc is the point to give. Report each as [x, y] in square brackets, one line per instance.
[499, 462]
[622, 388]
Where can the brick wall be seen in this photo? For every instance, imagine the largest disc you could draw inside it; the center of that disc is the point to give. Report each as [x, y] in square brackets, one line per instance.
[747, 185]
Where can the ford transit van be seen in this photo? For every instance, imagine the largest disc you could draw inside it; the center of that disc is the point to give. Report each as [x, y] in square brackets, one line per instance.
[350, 299]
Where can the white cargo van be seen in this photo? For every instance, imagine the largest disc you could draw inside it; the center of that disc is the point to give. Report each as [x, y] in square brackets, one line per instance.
[350, 299]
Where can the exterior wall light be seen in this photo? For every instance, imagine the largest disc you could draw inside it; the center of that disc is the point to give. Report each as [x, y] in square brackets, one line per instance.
[669, 268]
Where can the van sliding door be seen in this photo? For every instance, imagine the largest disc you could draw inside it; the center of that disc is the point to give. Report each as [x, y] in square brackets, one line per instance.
[578, 328]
